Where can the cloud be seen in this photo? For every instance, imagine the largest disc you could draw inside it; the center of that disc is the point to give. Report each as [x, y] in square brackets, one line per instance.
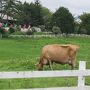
[77, 6]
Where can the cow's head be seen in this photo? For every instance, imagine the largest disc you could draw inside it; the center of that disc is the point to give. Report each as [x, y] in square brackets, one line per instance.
[39, 66]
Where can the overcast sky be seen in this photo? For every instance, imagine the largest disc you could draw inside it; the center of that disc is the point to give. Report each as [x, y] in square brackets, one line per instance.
[76, 7]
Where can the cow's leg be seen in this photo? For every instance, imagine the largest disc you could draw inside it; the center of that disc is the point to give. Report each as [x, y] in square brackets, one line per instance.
[50, 64]
[73, 64]
[72, 67]
[41, 67]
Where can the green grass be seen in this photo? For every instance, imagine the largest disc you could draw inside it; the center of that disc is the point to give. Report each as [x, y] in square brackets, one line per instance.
[20, 54]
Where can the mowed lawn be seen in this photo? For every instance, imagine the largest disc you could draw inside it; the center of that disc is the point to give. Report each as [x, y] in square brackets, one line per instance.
[21, 54]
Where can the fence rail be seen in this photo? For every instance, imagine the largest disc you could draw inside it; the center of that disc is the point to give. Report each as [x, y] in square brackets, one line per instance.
[62, 88]
[52, 35]
[37, 74]
[81, 73]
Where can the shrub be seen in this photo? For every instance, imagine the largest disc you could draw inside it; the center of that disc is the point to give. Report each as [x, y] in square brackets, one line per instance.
[88, 28]
[3, 32]
[56, 30]
[42, 27]
[11, 30]
[30, 31]
[18, 28]
[18, 33]
[36, 29]
[82, 31]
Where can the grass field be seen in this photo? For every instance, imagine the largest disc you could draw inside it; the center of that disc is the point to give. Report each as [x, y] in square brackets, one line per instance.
[20, 54]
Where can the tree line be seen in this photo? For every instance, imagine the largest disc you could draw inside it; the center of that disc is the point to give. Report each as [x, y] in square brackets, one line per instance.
[61, 21]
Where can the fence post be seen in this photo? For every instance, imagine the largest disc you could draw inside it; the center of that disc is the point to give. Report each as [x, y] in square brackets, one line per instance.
[81, 79]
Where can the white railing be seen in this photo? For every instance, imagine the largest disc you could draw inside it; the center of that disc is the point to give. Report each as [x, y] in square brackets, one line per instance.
[81, 73]
[39, 36]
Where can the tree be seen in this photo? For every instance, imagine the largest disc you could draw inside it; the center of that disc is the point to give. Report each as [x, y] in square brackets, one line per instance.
[24, 13]
[8, 7]
[38, 18]
[30, 13]
[19, 12]
[47, 14]
[63, 19]
[2, 8]
[85, 22]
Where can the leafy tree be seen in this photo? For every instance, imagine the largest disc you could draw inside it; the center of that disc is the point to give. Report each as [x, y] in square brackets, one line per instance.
[63, 19]
[47, 14]
[24, 14]
[19, 12]
[85, 22]
[30, 13]
[38, 18]
[8, 7]
[2, 8]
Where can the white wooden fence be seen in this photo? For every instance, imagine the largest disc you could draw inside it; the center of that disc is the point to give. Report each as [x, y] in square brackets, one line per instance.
[81, 73]
[50, 35]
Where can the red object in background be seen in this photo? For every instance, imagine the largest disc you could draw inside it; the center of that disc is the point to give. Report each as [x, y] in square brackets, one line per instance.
[11, 26]
[1, 24]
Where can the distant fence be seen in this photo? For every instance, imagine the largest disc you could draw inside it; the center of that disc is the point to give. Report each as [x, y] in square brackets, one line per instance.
[81, 73]
[60, 35]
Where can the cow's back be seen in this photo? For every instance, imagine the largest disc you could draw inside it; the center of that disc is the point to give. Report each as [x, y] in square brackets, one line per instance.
[57, 53]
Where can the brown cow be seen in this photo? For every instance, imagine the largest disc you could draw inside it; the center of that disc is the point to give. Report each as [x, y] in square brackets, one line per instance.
[63, 54]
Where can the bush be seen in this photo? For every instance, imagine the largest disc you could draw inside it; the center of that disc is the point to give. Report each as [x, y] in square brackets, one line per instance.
[18, 33]
[18, 28]
[48, 27]
[30, 31]
[33, 29]
[82, 31]
[56, 30]
[88, 28]
[42, 27]
[11, 30]
[36, 29]
[3, 32]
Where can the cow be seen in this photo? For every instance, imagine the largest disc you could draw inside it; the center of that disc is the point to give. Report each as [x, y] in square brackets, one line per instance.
[56, 53]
